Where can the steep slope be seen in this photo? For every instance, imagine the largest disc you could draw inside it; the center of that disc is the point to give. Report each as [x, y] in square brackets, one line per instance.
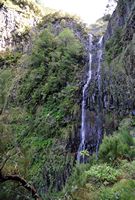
[111, 176]
[117, 73]
[17, 18]
[40, 102]
[43, 71]
[119, 62]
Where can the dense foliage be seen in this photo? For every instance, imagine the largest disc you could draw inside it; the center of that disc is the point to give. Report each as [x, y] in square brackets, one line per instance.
[40, 103]
[113, 171]
[43, 108]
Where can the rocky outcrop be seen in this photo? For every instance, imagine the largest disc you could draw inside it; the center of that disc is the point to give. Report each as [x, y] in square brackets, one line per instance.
[118, 73]
[115, 99]
[15, 27]
[119, 17]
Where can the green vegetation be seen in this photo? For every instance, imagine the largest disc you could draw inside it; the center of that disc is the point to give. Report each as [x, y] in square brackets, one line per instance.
[112, 175]
[49, 92]
[40, 99]
[118, 146]
[19, 4]
[114, 46]
[40, 113]
[122, 190]
[102, 173]
[9, 58]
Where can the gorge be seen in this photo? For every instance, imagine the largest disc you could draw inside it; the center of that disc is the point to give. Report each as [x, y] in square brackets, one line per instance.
[67, 104]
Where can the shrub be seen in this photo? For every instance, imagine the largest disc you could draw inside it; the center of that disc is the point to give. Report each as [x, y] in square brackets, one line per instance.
[103, 173]
[78, 177]
[128, 169]
[122, 190]
[117, 146]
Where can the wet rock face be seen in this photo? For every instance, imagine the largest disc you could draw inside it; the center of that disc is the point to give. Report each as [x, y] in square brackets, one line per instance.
[119, 18]
[94, 104]
[14, 29]
[116, 99]
[92, 98]
[130, 28]
[118, 75]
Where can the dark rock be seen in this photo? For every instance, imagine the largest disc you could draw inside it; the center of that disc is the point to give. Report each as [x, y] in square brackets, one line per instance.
[133, 112]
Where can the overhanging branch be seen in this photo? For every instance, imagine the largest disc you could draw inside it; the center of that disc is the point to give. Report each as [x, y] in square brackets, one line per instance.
[22, 181]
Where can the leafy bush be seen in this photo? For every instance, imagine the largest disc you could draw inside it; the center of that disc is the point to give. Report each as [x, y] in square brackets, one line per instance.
[103, 173]
[78, 177]
[9, 58]
[117, 146]
[122, 190]
[128, 169]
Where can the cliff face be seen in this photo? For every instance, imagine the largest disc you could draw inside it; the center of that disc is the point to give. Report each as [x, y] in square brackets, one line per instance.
[108, 105]
[15, 26]
[119, 17]
[116, 96]
[41, 93]
[119, 60]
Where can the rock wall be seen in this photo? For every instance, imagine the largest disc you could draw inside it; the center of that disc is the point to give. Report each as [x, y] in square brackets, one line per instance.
[118, 72]
[116, 97]
[119, 17]
[14, 28]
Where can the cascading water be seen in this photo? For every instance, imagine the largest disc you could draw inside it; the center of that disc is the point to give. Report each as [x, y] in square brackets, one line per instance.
[81, 158]
[99, 57]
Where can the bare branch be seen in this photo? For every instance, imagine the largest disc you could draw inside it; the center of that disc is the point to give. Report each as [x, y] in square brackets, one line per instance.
[22, 181]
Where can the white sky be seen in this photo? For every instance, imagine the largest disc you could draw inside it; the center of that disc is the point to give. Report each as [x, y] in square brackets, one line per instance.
[88, 10]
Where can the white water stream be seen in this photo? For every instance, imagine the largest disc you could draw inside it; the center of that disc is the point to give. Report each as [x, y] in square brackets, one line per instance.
[99, 57]
[80, 158]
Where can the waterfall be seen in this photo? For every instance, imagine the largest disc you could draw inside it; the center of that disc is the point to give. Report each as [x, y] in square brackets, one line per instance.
[99, 58]
[81, 158]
